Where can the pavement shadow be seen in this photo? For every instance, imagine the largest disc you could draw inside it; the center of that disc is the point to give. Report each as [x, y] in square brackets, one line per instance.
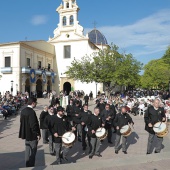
[6, 124]
[132, 139]
[17, 160]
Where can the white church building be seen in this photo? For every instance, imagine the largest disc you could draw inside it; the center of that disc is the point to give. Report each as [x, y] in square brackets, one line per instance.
[49, 64]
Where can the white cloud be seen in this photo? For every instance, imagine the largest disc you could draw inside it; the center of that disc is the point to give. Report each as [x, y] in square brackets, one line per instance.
[39, 19]
[147, 36]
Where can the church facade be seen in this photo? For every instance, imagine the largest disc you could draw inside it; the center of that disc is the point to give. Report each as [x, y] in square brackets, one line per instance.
[67, 44]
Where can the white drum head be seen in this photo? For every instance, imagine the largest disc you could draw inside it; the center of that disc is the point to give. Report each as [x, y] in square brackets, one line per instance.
[100, 132]
[124, 129]
[68, 137]
[159, 127]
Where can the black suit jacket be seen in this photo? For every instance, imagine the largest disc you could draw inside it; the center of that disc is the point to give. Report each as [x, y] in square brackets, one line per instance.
[29, 126]
[153, 116]
[42, 118]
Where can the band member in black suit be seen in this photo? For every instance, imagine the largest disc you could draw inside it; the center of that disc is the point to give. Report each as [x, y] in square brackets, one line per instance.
[85, 118]
[153, 115]
[107, 118]
[113, 109]
[77, 109]
[94, 124]
[60, 125]
[43, 114]
[30, 131]
[121, 120]
[47, 123]
[70, 110]
[86, 99]
[101, 105]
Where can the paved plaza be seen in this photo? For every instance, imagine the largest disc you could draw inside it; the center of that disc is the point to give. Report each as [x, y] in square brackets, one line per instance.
[12, 150]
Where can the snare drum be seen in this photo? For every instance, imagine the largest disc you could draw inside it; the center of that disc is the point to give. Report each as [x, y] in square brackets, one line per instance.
[160, 129]
[126, 130]
[68, 139]
[101, 133]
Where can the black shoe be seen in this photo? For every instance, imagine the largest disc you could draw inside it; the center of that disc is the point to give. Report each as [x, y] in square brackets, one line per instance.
[116, 152]
[99, 155]
[79, 140]
[91, 156]
[156, 152]
[52, 154]
[110, 142]
[124, 152]
[148, 153]
[84, 148]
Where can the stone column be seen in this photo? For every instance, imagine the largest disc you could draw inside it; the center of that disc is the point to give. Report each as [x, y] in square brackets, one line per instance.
[33, 87]
[23, 88]
[44, 86]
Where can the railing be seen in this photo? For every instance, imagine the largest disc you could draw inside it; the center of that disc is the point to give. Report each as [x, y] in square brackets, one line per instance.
[26, 70]
[6, 70]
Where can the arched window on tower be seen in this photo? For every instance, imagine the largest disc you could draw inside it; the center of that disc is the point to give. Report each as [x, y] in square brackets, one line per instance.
[67, 5]
[71, 20]
[64, 21]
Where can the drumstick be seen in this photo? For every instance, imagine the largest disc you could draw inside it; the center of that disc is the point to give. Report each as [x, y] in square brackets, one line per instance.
[63, 137]
[71, 131]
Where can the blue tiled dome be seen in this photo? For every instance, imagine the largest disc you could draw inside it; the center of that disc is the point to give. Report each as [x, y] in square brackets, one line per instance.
[97, 37]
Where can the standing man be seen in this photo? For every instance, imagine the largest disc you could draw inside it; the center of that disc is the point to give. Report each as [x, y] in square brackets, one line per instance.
[60, 125]
[153, 115]
[43, 115]
[47, 123]
[30, 131]
[121, 120]
[107, 118]
[77, 109]
[101, 105]
[86, 99]
[94, 124]
[69, 110]
[85, 119]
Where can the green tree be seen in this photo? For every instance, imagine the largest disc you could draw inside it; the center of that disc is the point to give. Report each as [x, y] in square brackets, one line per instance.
[156, 74]
[106, 66]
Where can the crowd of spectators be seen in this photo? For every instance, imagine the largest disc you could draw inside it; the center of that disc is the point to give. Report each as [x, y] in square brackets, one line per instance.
[10, 104]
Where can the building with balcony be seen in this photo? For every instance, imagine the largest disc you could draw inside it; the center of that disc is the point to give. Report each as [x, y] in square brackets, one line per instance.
[24, 62]
[18, 59]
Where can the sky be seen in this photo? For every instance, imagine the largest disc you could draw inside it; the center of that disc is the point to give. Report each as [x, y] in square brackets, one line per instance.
[139, 27]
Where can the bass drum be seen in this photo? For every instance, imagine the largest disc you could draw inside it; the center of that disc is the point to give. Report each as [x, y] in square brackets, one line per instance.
[160, 129]
[68, 139]
[101, 133]
[126, 130]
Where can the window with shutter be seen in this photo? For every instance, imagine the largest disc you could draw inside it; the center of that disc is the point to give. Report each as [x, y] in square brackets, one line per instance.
[67, 51]
[7, 61]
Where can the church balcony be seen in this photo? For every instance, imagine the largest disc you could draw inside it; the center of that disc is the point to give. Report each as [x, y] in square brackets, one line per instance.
[26, 70]
[6, 70]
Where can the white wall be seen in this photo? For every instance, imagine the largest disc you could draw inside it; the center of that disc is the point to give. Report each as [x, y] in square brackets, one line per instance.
[11, 50]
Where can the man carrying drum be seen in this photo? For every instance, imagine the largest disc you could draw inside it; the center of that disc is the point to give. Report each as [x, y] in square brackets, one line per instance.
[122, 119]
[60, 125]
[94, 124]
[153, 115]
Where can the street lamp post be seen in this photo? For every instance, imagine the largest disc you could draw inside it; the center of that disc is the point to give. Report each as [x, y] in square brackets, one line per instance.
[96, 89]
[12, 86]
[16, 88]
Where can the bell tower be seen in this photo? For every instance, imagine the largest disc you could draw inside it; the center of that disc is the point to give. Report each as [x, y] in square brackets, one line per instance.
[68, 18]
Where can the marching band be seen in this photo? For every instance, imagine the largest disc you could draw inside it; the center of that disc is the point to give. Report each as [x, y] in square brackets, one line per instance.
[78, 123]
